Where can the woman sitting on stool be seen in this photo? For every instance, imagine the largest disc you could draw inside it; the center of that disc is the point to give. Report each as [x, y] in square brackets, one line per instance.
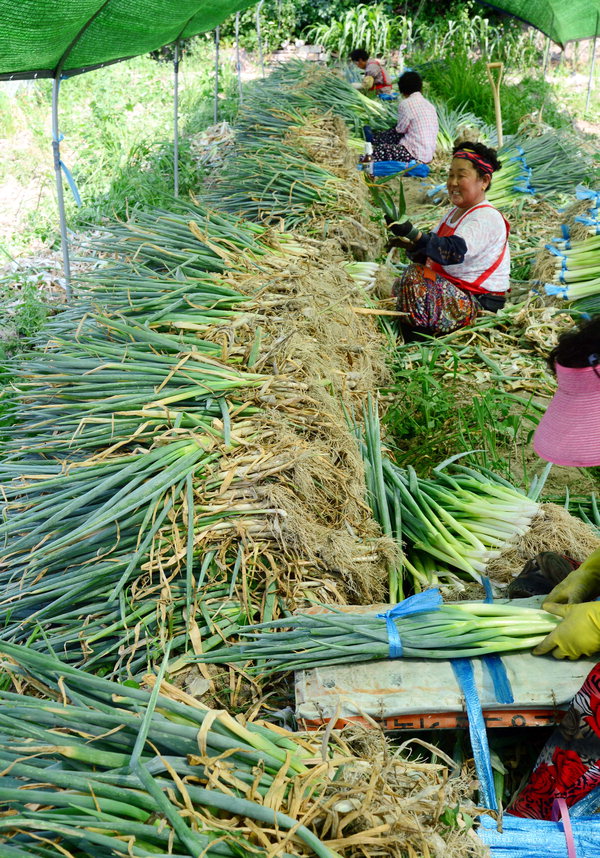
[463, 266]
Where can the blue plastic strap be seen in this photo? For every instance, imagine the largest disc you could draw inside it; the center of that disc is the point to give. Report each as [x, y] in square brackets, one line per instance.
[428, 600]
[487, 586]
[71, 182]
[394, 642]
[67, 173]
[566, 232]
[497, 671]
[463, 671]
[493, 663]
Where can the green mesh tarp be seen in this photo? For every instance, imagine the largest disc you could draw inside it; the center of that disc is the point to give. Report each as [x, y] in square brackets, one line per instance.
[40, 37]
[563, 20]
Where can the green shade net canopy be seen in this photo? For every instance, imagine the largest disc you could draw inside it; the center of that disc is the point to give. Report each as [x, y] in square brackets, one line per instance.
[43, 38]
[562, 20]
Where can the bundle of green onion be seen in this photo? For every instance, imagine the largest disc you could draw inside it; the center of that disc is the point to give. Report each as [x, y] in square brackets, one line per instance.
[306, 87]
[577, 270]
[554, 163]
[451, 523]
[273, 182]
[460, 630]
[112, 770]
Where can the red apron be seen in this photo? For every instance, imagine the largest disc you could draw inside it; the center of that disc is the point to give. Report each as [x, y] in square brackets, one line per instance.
[475, 286]
[386, 80]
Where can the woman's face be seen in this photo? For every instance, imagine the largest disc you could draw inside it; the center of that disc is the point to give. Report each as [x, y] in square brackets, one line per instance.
[466, 188]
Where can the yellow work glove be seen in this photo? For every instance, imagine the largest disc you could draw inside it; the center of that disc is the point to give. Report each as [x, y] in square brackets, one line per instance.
[368, 82]
[582, 585]
[578, 635]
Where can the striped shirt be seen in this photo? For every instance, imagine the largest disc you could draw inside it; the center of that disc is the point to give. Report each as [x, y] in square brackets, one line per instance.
[418, 123]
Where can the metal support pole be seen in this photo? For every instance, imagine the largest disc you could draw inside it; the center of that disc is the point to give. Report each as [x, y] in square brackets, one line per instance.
[176, 120]
[592, 64]
[259, 38]
[217, 46]
[238, 62]
[59, 188]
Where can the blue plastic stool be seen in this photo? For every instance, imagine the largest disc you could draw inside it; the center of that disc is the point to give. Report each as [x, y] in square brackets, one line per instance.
[409, 168]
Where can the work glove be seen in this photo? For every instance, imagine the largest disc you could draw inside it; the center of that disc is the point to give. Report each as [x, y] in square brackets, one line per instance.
[578, 635]
[401, 230]
[582, 585]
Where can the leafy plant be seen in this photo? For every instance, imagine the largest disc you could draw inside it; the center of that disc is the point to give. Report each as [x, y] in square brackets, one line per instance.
[368, 27]
[461, 83]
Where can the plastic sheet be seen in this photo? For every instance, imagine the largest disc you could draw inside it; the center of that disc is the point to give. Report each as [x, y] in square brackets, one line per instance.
[463, 670]
[538, 838]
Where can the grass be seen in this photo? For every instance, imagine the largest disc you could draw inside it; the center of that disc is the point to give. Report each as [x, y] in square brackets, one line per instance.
[117, 124]
[435, 411]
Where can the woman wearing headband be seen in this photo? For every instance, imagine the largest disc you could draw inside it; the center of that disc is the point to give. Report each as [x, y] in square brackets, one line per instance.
[569, 434]
[463, 266]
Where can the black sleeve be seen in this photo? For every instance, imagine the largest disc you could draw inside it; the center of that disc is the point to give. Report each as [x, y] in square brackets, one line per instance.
[449, 250]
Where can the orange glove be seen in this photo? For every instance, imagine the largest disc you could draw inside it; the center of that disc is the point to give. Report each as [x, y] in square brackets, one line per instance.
[579, 633]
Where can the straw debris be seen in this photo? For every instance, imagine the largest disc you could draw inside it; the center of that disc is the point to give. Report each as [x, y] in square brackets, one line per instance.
[387, 801]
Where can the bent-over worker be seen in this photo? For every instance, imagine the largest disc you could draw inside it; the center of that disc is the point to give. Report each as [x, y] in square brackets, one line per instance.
[376, 78]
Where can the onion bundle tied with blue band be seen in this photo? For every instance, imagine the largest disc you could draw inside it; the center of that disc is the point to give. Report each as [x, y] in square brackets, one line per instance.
[419, 627]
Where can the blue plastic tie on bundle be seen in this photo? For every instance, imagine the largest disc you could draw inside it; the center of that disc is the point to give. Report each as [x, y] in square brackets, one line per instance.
[463, 671]
[523, 189]
[554, 250]
[583, 193]
[565, 232]
[436, 189]
[428, 600]
[554, 289]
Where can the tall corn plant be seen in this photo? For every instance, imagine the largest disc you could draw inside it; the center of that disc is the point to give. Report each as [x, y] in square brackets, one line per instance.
[368, 27]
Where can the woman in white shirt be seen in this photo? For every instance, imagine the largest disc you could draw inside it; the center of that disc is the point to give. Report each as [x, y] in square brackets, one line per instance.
[463, 266]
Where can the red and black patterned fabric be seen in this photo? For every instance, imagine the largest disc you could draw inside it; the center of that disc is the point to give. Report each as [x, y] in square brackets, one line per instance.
[430, 303]
[569, 765]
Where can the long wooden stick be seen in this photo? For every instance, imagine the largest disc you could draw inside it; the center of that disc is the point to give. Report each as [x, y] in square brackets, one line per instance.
[495, 84]
[370, 311]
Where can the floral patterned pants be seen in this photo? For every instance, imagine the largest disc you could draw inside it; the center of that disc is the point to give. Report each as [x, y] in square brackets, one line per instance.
[431, 303]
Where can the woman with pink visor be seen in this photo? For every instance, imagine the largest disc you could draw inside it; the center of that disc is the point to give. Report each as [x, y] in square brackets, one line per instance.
[569, 434]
